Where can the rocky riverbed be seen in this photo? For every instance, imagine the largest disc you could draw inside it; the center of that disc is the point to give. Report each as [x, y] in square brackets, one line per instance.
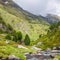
[42, 55]
[37, 57]
[28, 57]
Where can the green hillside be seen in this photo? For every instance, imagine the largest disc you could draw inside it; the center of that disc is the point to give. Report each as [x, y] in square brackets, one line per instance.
[52, 38]
[23, 21]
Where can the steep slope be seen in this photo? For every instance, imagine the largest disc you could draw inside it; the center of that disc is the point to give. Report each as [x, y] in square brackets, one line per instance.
[21, 20]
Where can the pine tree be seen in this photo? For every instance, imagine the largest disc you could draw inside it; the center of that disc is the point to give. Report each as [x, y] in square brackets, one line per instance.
[27, 40]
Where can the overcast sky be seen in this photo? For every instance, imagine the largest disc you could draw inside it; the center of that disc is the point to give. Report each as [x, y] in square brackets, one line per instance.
[40, 6]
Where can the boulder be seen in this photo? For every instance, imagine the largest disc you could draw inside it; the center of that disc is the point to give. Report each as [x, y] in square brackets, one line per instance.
[3, 59]
[13, 57]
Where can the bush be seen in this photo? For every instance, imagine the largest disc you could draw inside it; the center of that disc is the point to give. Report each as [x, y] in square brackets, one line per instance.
[14, 36]
[8, 37]
[27, 40]
[17, 36]
[1, 31]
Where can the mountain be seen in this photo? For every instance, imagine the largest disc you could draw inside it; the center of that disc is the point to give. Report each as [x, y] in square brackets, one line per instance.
[22, 32]
[51, 18]
[21, 20]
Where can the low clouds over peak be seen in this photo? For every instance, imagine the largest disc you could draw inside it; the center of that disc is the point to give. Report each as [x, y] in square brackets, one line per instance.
[42, 7]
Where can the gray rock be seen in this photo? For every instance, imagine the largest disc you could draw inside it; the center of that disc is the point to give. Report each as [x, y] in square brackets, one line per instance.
[12, 57]
[3, 59]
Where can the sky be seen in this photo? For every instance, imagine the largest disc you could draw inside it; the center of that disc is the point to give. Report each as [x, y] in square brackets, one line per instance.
[40, 7]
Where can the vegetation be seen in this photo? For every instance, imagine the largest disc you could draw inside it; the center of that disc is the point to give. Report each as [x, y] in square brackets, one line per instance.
[27, 40]
[52, 38]
[11, 48]
[24, 22]
[5, 51]
[25, 29]
[8, 37]
[17, 36]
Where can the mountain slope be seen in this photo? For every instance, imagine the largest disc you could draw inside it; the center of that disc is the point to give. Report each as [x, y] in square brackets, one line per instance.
[21, 20]
[52, 38]
[51, 18]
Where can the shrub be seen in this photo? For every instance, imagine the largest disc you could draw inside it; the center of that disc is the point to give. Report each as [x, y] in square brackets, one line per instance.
[40, 36]
[17, 36]
[8, 36]
[1, 31]
[14, 36]
[0, 18]
[27, 40]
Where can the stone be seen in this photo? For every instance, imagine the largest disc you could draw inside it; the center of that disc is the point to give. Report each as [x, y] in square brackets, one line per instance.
[13, 57]
[3, 59]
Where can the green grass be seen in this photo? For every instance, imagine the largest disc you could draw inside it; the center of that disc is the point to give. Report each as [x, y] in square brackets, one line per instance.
[52, 38]
[12, 49]
[9, 50]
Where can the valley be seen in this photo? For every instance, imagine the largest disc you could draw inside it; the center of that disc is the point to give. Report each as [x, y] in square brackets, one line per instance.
[24, 35]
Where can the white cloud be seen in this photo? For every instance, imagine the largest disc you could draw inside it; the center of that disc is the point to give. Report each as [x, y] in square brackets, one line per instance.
[40, 6]
[53, 6]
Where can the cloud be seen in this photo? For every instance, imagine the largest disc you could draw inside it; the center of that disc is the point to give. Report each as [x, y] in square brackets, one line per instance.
[53, 7]
[40, 6]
